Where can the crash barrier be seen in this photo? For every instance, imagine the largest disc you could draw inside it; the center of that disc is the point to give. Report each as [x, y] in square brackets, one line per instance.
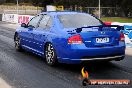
[121, 24]
[24, 18]
[118, 23]
[14, 18]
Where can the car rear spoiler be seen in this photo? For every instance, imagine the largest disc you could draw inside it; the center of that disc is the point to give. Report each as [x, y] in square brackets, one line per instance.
[117, 27]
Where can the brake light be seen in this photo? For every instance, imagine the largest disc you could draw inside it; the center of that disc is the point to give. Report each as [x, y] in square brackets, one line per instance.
[122, 37]
[76, 39]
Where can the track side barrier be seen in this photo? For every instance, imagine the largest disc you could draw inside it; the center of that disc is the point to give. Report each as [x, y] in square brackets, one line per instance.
[14, 18]
[24, 18]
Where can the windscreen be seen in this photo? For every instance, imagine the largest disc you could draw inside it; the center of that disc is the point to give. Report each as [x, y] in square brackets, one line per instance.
[78, 20]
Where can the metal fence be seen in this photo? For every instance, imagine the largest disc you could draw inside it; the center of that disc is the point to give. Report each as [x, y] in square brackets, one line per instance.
[22, 12]
[105, 11]
[32, 10]
[28, 10]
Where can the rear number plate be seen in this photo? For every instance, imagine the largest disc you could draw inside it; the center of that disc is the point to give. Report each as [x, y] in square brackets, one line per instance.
[102, 40]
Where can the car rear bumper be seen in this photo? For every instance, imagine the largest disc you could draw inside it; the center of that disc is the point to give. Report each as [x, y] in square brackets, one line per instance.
[80, 53]
[100, 58]
[78, 61]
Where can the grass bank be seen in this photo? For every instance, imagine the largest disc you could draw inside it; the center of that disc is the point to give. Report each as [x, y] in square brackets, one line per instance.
[117, 19]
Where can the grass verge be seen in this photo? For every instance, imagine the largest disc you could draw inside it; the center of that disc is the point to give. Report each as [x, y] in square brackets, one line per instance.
[117, 19]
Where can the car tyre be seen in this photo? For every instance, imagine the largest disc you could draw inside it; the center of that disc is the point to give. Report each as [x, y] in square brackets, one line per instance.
[50, 55]
[17, 42]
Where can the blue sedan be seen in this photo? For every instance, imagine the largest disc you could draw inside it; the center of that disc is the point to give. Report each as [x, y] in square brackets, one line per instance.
[70, 37]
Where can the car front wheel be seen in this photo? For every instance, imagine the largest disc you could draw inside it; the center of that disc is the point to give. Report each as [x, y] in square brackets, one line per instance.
[50, 55]
[17, 42]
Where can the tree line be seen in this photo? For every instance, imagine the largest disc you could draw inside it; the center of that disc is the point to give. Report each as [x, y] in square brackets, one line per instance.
[125, 5]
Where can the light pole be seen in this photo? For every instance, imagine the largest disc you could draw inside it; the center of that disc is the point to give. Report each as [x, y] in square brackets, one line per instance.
[99, 9]
[17, 7]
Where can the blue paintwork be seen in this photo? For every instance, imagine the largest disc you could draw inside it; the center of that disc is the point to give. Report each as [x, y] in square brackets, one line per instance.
[34, 41]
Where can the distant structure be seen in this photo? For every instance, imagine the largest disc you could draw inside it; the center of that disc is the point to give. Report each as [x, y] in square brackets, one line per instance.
[54, 8]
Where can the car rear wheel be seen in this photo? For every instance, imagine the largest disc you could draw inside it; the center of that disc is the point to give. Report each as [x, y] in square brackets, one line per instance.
[17, 43]
[50, 55]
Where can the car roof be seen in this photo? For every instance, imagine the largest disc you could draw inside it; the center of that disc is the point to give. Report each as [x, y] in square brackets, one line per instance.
[60, 12]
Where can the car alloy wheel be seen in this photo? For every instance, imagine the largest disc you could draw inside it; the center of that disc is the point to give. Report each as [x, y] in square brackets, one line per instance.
[17, 43]
[50, 55]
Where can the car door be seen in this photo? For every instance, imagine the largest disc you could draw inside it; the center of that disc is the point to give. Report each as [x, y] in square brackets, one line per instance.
[29, 32]
[41, 32]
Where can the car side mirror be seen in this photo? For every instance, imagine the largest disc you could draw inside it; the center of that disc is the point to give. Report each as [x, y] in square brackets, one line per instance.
[24, 25]
[30, 27]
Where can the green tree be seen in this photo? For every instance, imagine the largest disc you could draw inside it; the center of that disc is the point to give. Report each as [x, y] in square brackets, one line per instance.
[2, 1]
[126, 6]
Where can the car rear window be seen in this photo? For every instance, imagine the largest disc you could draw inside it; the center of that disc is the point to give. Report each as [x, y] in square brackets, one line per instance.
[78, 20]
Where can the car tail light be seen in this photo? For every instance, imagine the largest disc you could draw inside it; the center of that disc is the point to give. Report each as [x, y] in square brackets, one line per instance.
[76, 39]
[122, 37]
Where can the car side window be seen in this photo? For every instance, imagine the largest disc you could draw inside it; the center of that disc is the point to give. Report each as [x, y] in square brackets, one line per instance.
[46, 22]
[34, 21]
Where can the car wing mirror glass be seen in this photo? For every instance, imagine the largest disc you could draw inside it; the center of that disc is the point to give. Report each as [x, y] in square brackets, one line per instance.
[30, 27]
